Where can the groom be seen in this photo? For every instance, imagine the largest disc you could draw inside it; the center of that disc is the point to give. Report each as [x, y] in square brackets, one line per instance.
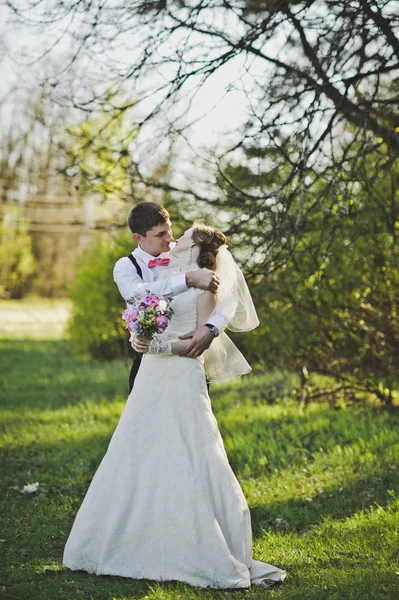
[136, 274]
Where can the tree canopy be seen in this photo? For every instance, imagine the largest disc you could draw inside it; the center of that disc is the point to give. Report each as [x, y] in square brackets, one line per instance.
[319, 78]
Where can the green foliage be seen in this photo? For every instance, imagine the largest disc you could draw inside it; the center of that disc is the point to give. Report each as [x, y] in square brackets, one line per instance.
[17, 262]
[96, 327]
[98, 150]
[333, 307]
[322, 486]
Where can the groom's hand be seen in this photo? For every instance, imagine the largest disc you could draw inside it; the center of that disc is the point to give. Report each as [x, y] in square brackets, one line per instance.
[201, 339]
[204, 279]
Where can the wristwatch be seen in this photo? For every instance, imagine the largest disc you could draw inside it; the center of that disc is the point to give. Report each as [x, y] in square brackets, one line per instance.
[213, 329]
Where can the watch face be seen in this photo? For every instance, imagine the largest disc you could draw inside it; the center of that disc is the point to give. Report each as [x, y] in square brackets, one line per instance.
[214, 330]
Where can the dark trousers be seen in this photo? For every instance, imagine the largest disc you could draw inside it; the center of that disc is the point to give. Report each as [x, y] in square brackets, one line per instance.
[135, 368]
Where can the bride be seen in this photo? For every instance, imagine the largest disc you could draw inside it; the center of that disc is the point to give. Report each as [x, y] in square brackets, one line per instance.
[164, 503]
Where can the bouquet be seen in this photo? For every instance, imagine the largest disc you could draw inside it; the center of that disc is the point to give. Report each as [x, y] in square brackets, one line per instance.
[145, 317]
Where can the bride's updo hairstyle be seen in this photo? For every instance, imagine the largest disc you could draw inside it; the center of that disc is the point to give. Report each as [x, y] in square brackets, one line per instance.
[208, 239]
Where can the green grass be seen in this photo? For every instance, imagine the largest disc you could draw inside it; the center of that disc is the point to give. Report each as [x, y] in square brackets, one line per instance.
[322, 486]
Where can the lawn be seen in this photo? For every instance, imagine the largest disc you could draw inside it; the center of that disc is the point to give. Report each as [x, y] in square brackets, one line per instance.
[34, 318]
[323, 487]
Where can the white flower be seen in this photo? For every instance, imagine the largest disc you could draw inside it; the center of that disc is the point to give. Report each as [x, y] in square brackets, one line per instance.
[31, 488]
[162, 306]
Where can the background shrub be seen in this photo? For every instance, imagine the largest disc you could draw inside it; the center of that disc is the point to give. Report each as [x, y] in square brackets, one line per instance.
[96, 327]
[17, 262]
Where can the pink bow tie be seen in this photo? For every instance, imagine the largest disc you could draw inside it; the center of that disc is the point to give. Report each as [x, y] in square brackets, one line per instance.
[163, 262]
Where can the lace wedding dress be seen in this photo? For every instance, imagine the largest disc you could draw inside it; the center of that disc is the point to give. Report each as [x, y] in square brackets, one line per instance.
[164, 503]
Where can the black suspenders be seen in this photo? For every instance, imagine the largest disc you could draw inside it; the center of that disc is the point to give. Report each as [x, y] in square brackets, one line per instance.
[136, 264]
[138, 357]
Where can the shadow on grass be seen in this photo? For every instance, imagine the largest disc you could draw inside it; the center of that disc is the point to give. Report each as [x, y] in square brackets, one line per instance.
[336, 502]
[345, 581]
[65, 469]
[259, 442]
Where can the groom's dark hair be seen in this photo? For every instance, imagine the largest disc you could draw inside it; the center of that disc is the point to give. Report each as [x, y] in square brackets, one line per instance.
[146, 215]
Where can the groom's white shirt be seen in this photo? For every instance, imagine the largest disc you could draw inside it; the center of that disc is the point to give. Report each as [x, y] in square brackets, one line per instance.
[131, 284]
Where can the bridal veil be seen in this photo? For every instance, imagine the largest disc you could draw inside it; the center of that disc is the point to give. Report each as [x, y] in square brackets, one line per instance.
[223, 360]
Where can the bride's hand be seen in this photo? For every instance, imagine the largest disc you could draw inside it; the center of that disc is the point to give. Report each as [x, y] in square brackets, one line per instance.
[140, 344]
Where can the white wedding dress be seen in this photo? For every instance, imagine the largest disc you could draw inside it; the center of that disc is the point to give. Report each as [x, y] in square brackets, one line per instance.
[164, 503]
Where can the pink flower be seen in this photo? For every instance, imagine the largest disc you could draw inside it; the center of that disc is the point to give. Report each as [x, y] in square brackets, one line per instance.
[150, 301]
[130, 314]
[162, 321]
